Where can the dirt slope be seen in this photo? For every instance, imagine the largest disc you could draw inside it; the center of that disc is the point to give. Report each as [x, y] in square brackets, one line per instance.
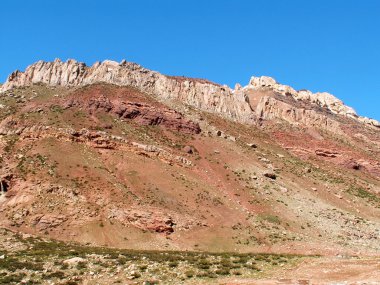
[111, 166]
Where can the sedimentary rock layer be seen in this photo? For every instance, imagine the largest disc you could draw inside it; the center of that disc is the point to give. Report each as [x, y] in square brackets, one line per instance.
[202, 94]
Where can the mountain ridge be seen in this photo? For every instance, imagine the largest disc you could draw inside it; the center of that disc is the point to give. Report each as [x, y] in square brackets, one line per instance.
[199, 93]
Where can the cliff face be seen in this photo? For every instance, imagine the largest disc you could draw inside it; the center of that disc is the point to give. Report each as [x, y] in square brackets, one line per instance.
[269, 108]
[207, 96]
[198, 93]
[322, 99]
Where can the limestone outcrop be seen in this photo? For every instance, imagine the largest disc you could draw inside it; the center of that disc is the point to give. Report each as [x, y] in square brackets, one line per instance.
[207, 96]
[269, 108]
[195, 92]
[324, 99]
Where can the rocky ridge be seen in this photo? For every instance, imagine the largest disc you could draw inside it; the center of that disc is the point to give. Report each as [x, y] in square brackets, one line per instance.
[230, 103]
[322, 99]
[198, 93]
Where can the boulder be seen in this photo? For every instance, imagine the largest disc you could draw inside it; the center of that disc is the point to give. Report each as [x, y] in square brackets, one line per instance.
[252, 145]
[270, 175]
[188, 149]
[74, 260]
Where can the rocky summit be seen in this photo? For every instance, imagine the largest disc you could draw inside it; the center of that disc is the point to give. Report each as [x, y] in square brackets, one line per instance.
[237, 104]
[116, 173]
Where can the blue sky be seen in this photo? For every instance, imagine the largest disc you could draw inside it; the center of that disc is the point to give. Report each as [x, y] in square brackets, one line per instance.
[320, 45]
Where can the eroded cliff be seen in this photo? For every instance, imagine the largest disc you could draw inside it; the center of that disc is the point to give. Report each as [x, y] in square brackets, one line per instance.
[235, 104]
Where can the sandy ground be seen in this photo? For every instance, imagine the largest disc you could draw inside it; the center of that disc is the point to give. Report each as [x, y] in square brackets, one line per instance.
[325, 271]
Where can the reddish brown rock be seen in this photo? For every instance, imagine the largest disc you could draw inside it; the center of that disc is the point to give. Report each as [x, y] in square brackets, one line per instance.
[151, 220]
[5, 182]
[140, 112]
[189, 149]
[326, 153]
[270, 175]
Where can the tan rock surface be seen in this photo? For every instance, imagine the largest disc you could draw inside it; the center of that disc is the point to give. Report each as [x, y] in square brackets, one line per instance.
[201, 94]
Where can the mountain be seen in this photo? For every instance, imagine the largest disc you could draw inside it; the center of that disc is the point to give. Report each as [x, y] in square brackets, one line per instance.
[239, 104]
[117, 155]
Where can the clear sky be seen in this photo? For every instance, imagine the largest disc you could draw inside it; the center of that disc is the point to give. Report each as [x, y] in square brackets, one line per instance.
[321, 45]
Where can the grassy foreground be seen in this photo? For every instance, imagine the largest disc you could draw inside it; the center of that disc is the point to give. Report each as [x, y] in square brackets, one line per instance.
[33, 260]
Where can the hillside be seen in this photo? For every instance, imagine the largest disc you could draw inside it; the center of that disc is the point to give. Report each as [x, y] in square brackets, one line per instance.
[118, 156]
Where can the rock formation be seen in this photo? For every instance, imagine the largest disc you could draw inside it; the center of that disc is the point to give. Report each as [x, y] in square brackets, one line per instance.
[324, 99]
[230, 103]
[269, 108]
[141, 113]
[198, 93]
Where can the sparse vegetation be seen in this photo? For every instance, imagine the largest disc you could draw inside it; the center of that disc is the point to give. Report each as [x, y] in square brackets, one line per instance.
[364, 194]
[38, 255]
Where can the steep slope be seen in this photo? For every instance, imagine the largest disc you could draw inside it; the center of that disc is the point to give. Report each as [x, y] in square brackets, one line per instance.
[153, 162]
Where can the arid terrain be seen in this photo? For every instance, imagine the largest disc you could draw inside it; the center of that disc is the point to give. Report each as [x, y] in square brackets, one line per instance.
[115, 174]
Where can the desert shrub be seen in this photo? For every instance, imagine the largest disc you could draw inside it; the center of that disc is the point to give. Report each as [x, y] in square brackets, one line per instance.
[222, 271]
[12, 278]
[81, 265]
[203, 264]
[121, 260]
[143, 267]
[173, 264]
[56, 274]
[189, 273]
